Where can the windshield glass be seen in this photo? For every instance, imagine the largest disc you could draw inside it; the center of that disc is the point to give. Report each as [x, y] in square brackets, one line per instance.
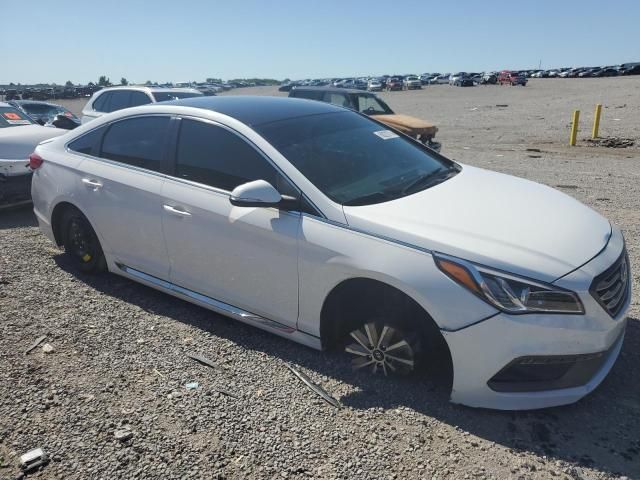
[49, 111]
[353, 160]
[370, 105]
[12, 117]
[167, 96]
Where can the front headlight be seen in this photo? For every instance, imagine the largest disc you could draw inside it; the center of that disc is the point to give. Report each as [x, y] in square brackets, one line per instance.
[510, 293]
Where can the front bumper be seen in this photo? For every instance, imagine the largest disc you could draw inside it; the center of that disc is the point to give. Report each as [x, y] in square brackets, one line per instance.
[481, 352]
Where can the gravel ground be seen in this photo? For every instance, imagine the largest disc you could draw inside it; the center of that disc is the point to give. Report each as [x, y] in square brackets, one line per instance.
[119, 359]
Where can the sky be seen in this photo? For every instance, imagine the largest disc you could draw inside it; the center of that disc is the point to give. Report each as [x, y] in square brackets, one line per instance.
[159, 40]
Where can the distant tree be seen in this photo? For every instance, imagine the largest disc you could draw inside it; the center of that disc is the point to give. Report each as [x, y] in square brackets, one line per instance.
[91, 84]
[148, 82]
[104, 81]
[12, 84]
[68, 83]
[123, 81]
[214, 80]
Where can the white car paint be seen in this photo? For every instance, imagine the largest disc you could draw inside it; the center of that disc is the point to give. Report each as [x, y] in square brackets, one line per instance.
[17, 143]
[90, 113]
[274, 269]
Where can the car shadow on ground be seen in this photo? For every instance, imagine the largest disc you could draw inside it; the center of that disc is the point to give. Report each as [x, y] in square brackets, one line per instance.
[601, 431]
[17, 217]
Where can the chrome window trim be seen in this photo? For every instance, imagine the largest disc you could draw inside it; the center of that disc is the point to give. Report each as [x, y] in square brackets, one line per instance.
[252, 145]
[115, 162]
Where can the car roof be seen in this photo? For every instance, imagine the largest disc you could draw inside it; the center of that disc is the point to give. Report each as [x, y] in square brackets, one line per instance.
[35, 102]
[256, 110]
[143, 88]
[6, 105]
[333, 89]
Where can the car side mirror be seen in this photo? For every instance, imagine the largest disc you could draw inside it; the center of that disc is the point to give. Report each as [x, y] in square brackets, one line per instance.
[261, 193]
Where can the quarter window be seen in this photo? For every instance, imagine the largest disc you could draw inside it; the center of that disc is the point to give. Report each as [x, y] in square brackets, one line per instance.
[137, 141]
[89, 143]
[214, 156]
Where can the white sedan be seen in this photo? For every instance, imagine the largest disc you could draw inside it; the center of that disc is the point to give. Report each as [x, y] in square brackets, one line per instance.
[19, 135]
[324, 226]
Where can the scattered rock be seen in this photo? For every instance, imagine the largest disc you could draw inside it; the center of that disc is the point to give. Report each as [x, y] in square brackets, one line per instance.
[123, 435]
[48, 348]
[611, 142]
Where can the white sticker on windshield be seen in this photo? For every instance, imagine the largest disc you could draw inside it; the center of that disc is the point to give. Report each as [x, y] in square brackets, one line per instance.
[386, 134]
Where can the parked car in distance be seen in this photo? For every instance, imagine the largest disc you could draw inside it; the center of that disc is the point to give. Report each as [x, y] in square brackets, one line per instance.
[509, 77]
[454, 76]
[463, 81]
[116, 98]
[412, 82]
[440, 79]
[489, 78]
[19, 135]
[374, 85]
[309, 220]
[371, 105]
[394, 83]
[43, 112]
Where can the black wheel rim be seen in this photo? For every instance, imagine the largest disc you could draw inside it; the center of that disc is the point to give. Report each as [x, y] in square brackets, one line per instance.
[81, 240]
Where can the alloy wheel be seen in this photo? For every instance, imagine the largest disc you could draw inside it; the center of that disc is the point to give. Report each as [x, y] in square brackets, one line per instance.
[381, 348]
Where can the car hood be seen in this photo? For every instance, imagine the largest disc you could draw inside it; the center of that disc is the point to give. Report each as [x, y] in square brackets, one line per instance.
[17, 143]
[494, 219]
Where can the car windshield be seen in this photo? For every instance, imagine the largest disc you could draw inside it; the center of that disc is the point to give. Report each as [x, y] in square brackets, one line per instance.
[370, 105]
[43, 109]
[353, 160]
[167, 96]
[12, 117]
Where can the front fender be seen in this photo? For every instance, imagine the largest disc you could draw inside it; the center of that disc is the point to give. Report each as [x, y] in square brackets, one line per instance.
[331, 254]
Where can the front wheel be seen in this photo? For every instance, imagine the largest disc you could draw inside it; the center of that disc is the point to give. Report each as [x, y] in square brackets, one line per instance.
[381, 345]
[81, 242]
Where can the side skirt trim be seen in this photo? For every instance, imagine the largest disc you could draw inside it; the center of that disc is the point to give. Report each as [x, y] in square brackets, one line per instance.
[226, 309]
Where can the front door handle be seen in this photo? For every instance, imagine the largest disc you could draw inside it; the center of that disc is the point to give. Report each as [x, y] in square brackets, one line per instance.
[92, 183]
[176, 211]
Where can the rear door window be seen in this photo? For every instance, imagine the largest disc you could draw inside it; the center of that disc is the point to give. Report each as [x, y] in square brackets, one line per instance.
[139, 98]
[139, 142]
[119, 100]
[339, 99]
[100, 104]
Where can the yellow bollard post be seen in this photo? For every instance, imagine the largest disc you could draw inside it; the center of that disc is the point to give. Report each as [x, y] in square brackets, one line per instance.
[596, 121]
[574, 128]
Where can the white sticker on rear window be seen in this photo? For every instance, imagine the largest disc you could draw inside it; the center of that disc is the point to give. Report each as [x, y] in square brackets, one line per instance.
[18, 122]
[386, 134]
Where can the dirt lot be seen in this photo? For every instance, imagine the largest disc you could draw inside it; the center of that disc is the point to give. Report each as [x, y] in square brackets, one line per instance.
[119, 348]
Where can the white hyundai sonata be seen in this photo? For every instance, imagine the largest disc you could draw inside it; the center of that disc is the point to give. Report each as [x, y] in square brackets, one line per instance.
[323, 226]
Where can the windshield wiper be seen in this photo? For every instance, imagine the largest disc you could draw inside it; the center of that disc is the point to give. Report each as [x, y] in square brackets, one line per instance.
[428, 180]
[375, 197]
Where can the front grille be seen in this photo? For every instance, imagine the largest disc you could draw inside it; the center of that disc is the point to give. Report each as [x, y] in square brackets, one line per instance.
[611, 287]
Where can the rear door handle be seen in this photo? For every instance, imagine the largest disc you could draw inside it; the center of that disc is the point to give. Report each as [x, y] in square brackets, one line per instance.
[176, 211]
[92, 183]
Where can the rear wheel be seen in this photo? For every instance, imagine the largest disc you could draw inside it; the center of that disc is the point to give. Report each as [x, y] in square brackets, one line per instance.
[81, 242]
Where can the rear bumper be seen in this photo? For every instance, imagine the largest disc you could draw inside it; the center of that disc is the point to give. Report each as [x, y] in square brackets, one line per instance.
[519, 362]
[15, 188]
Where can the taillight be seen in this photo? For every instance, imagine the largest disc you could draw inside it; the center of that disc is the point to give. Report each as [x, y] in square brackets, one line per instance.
[35, 161]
